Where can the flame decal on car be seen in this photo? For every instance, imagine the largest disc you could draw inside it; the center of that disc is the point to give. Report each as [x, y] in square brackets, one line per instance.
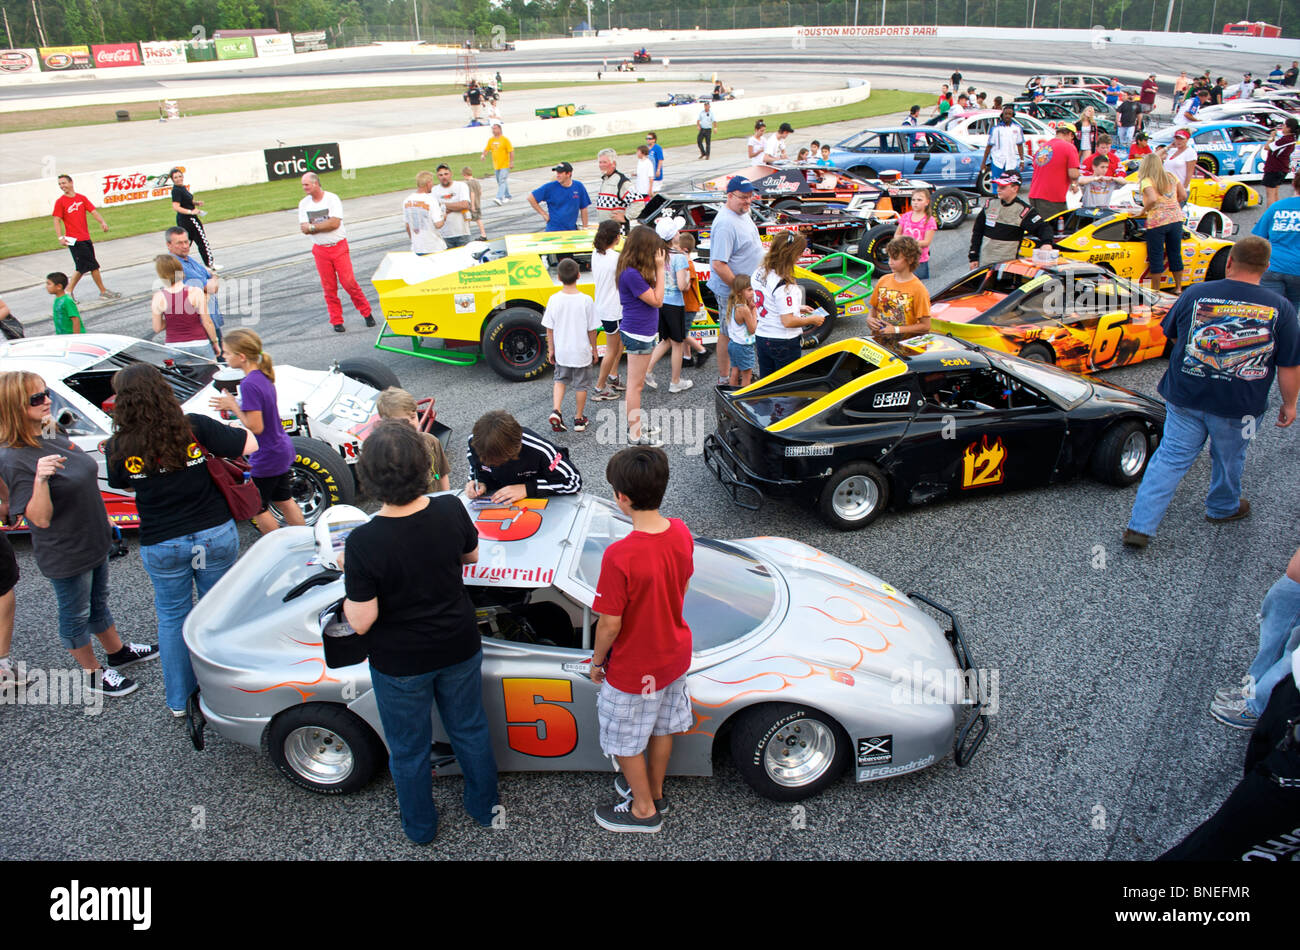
[294, 684]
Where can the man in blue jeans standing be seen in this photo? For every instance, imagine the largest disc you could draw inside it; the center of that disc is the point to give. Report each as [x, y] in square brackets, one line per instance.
[1229, 337]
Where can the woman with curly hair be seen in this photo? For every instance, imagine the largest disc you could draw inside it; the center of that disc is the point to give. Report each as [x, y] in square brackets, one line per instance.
[782, 314]
[259, 413]
[640, 281]
[55, 486]
[187, 536]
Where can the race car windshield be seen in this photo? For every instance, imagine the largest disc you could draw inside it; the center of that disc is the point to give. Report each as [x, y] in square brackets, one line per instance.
[184, 372]
[1066, 388]
[730, 593]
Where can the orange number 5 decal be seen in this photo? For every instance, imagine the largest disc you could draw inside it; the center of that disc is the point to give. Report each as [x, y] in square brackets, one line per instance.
[535, 724]
[511, 523]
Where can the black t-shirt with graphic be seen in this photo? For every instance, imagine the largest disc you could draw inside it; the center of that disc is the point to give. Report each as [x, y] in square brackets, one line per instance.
[182, 501]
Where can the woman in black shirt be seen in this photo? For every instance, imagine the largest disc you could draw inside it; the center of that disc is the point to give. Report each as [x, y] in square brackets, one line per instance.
[187, 216]
[406, 594]
[187, 536]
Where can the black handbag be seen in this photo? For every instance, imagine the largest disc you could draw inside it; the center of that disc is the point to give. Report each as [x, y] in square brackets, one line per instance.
[343, 645]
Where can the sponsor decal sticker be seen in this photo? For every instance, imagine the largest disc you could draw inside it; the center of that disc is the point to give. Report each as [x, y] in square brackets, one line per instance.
[882, 771]
[889, 400]
[464, 303]
[876, 750]
[802, 451]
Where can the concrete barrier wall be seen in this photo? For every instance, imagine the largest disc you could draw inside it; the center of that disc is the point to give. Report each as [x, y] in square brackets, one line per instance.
[35, 198]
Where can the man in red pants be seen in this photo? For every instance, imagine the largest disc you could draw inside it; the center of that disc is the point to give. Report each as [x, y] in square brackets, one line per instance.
[320, 215]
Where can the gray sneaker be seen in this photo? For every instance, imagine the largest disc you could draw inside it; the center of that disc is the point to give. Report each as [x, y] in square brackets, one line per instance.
[603, 395]
[1235, 714]
[625, 791]
[620, 818]
[1229, 694]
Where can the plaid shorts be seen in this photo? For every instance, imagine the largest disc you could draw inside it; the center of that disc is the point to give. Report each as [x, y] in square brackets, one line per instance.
[628, 720]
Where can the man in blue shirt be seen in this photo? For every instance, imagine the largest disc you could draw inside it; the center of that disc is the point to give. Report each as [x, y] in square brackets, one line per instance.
[196, 274]
[1229, 337]
[1280, 225]
[656, 155]
[1113, 92]
[734, 248]
[565, 200]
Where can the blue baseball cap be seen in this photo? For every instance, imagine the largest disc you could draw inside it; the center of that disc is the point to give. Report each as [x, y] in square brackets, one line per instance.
[741, 185]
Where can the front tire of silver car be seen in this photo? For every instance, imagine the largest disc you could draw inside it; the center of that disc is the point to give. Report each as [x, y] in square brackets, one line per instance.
[787, 752]
[854, 496]
[324, 748]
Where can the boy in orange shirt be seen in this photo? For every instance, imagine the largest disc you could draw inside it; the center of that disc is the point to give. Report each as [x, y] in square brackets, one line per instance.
[900, 304]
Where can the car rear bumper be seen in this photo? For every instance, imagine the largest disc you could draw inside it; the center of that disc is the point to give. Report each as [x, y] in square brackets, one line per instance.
[745, 486]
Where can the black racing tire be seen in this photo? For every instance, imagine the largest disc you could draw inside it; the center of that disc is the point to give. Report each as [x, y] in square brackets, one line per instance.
[1211, 224]
[1209, 163]
[1235, 199]
[514, 344]
[1121, 454]
[815, 295]
[1038, 352]
[984, 184]
[1218, 268]
[872, 246]
[787, 204]
[323, 747]
[866, 171]
[854, 496]
[319, 478]
[813, 747]
[369, 371]
[949, 208]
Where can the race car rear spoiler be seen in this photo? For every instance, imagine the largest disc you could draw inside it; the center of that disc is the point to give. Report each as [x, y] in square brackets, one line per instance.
[976, 729]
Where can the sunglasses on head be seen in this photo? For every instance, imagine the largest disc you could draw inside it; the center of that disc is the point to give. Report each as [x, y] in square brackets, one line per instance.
[37, 398]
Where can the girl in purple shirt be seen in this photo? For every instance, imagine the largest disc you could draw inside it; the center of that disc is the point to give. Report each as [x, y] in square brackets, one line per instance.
[640, 280]
[260, 414]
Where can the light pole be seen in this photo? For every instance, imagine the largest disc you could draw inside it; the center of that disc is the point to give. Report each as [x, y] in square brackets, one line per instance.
[416, 12]
[884, 5]
[1033, 15]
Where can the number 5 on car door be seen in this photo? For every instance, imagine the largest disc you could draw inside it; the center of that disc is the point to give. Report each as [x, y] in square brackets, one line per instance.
[536, 723]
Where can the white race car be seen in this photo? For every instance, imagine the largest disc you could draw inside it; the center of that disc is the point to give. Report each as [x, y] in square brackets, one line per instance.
[973, 129]
[327, 413]
[1208, 221]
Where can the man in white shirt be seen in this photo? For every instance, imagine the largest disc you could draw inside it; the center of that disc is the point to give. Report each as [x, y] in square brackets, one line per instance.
[1247, 87]
[755, 143]
[774, 144]
[423, 215]
[1006, 145]
[320, 215]
[454, 196]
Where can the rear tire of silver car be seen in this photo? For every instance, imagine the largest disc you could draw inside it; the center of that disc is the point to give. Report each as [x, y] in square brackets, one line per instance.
[324, 748]
[1234, 200]
[854, 496]
[1038, 353]
[1121, 454]
[949, 208]
[815, 295]
[319, 478]
[1218, 268]
[371, 372]
[1211, 225]
[787, 752]
[514, 344]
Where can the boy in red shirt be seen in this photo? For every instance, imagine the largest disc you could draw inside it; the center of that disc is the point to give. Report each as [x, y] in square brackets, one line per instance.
[1140, 146]
[643, 646]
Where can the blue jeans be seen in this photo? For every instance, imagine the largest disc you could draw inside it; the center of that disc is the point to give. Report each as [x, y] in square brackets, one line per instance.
[405, 709]
[1279, 637]
[83, 605]
[503, 183]
[1185, 434]
[177, 566]
[1287, 285]
[1124, 135]
[773, 353]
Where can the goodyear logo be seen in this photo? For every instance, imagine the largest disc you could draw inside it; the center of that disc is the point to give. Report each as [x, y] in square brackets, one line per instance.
[522, 273]
[425, 328]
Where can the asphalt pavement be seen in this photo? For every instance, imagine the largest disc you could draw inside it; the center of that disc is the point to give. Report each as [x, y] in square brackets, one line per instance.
[1101, 747]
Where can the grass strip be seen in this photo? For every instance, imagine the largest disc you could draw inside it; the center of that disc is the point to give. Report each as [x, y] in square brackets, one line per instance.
[34, 235]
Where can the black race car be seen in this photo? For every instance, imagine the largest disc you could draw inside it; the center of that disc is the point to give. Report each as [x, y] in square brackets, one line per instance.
[855, 425]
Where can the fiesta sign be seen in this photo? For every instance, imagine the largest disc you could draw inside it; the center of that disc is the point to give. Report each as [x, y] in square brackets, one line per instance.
[163, 53]
[135, 186]
[116, 54]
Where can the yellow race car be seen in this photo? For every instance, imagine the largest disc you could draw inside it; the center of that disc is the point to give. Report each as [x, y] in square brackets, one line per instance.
[486, 300]
[1209, 190]
[1116, 242]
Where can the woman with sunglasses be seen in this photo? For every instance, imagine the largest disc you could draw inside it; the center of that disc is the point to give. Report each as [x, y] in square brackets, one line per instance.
[55, 486]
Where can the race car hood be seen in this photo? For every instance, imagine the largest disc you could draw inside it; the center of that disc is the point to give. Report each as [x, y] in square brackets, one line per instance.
[967, 309]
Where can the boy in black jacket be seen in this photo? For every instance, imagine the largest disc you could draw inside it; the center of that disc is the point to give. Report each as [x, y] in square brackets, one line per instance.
[509, 462]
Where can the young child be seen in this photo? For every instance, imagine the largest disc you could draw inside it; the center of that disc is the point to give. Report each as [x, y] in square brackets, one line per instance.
[394, 403]
[643, 645]
[900, 304]
[475, 212]
[604, 265]
[571, 326]
[741, 322]
[1140, 146]
[802, 156]
[825, 160]
[645, 174]
[1099, 186]
[67, 318]
[694, 302]
[919, 223]
[508, 463]
[672, 312]
[1103, 148]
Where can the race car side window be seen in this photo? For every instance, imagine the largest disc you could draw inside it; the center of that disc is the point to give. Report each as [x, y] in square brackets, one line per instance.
[1110, 232]
[69, 419]
[1247, 134]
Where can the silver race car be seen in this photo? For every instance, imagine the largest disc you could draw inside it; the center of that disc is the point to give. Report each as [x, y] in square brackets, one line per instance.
[803, 664]
[327, 413]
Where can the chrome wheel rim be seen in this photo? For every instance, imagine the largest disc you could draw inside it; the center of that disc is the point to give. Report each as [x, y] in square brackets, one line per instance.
[855, 498]
[308, 492]
[1134, 454]
[318, 755]
[949, 210]
[800, 753]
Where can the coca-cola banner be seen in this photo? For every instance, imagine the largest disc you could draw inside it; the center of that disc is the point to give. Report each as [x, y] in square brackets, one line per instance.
[116, 54]
[132, 187]
[18, 61]
[275, 44]
[165, 53]
[65, 57]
